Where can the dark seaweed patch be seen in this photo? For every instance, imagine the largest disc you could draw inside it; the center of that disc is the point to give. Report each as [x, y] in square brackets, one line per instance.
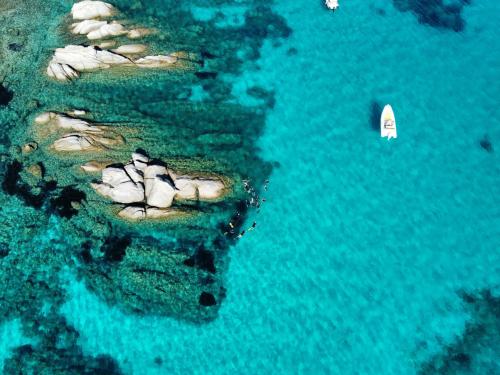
[436, 13]
[207, 299]
[12, 185]
[5, 95]
[85, 254]
[206, 75]
[202, 259]
[63, 205]
[16, 47]
[158, 361]
[114, 248]
[27, 359]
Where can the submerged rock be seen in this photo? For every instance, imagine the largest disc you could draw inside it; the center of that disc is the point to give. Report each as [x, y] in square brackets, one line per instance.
[156, 61]
[29, 147]
[130, 49]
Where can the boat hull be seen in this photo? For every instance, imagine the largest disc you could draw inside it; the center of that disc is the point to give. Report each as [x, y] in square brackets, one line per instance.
[388, 123]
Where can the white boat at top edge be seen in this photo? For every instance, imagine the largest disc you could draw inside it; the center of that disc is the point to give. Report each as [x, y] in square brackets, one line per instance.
[388, 123]
[332, 4]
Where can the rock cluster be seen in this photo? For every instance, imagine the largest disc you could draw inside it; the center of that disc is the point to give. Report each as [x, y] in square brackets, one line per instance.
[85, 136]
[149, 188]
[68, 62]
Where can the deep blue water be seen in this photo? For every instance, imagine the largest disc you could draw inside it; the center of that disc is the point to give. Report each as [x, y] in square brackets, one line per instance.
[363, 247]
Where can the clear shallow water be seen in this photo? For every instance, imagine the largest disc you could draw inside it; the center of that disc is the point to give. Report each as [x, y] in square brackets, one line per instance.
[362, 245]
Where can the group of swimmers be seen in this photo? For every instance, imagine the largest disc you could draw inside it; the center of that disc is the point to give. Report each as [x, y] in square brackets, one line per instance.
[254, 201]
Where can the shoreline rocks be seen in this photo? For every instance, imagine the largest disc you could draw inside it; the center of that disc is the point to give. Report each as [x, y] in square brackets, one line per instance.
[86, 136]
[68, 62]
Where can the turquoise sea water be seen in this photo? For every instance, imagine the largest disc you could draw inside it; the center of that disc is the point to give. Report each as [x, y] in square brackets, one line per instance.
[364, 247]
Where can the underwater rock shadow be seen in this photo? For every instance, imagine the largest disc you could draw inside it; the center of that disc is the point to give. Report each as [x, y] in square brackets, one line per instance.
[436, 13]
[375, 111]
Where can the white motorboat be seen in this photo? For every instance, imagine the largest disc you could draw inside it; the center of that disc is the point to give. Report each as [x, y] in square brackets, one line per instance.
[332, 4]
[388, 123]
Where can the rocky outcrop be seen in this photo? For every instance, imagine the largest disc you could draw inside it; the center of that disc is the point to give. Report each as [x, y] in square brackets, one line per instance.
[151, 188]
[72, 59]
[68, 62]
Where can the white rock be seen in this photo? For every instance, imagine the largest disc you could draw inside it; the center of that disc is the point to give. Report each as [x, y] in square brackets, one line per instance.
[66, 122]
[61, 72]
[160, 191]
[130, 49]
[73, 142]
[210, 189]
[140, 161]
[83, 58]
[87, 26]
[198, 188]
[150, 173]
[87, 9]
[107, 44]
[133, 213]
[114, 176]
[102, 189]
[135, 174]
[77, 124]
[158, 61]
[77, 112]
[127, 192]
[186, 189]
[109, 29]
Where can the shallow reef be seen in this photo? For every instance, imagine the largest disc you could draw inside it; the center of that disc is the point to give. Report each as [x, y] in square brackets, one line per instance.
[475, 351]
[436, 13]
[54, 222]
